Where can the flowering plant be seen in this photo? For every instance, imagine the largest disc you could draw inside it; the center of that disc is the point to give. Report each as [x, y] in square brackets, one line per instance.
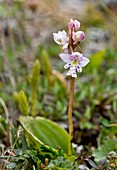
[74, 61]
[69, 41]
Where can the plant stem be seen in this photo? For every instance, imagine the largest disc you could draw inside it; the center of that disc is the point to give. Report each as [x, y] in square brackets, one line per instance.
[70, 122]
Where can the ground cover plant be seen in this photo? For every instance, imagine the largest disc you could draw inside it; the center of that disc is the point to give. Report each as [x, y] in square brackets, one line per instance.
[55, 113]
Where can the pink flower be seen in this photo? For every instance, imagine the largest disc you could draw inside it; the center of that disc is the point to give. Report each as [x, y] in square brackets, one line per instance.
[75, 62]
[61, 37]
[78, 36]
[74, 24]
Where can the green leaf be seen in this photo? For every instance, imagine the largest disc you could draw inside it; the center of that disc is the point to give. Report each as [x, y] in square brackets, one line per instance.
[101, 153]
[34, 80]
[96, 59]
[23, 103]
[60, 164]
[45, 131]
[88, 113]
[104, 121]
[11, 165]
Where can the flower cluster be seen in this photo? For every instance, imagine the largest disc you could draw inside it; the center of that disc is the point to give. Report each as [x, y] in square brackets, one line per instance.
[69, 41]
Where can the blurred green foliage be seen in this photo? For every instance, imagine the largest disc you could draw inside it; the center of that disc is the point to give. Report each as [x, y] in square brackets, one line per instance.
[23, 103]
[34, 81]
[102, 151]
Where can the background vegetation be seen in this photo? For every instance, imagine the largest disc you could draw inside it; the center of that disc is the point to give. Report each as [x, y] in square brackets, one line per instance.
[33, 83]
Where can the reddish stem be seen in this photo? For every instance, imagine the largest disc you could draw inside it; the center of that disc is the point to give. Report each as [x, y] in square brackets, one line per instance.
[70, 122]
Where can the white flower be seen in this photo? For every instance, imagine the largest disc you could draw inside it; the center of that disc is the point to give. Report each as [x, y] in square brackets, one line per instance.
[75, 62]
[61, 37]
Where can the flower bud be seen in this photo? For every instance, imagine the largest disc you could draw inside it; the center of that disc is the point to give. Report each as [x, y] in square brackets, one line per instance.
[78, 36]
[74, 24]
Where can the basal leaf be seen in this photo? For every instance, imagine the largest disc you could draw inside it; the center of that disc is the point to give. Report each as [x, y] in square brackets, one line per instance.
[45, 131]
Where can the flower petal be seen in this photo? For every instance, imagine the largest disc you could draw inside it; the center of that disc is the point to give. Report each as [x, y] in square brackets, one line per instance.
[77, 24]
[72, 72]
[67, 65]
[75, 75]
[65, 46]
[56, 39]
[79, 68]
[78, 36]
[65, 57]
[84, 61]
[69, 73]
[70, 24]
[76, 54]
[74, 23]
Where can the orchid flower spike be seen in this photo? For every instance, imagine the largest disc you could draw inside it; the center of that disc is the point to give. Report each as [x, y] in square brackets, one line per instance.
[75, 62]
